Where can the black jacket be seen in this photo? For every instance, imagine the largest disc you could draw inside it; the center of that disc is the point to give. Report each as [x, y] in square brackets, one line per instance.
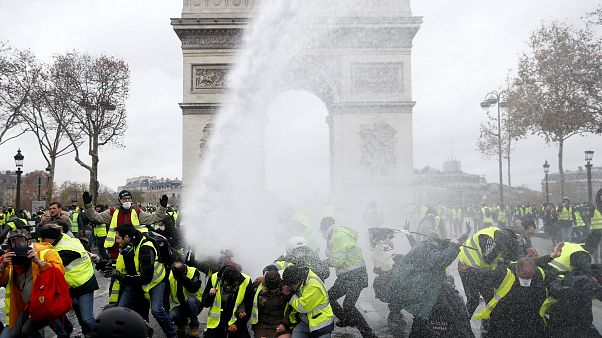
[228, 303]
[572, 313]
[146, 258]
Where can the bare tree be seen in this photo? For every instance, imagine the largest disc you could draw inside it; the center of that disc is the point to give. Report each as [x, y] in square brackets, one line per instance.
[48, 117]
[555, 88]
[97, 90]
[16, 81]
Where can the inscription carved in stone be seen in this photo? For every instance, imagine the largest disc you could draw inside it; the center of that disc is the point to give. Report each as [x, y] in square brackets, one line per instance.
[209, 77]
[212, 39]
[377, 147]
[377, 77]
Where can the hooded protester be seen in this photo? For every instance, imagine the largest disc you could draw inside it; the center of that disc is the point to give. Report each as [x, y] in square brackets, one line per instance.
[269, 304]
[419, 285]
[570, 315]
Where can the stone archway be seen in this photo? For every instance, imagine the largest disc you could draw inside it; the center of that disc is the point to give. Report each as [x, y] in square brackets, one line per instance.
[365, 83]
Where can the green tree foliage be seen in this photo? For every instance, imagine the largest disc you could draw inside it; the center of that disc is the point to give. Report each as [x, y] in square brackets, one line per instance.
[557, 85]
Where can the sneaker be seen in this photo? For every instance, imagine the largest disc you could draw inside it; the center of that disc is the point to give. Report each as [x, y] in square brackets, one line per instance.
[194, 332]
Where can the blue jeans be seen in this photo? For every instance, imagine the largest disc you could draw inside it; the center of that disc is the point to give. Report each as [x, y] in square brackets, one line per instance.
[131, 299]
[84, 310]
[302, 331]
[191, 310]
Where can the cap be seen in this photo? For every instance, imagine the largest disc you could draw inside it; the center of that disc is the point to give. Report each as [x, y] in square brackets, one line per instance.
[124, 193]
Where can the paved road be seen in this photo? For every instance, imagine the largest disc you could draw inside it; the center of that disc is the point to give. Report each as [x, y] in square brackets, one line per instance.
[374, 311]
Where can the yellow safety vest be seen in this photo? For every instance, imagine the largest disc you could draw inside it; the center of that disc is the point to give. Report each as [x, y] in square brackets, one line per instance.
[255, 311]
[215, 311]
[565, 214]
[596, 222]
[173, 289]
[100, 230]
[487, 219]
[578, 220]
[73, 219]
[312, 301]
[563, 262]
[501, 292]
[13, 226]
[110, 241]
[158, 272]
[501, 215]
[343, 250]
[474, 258]
[80, 270]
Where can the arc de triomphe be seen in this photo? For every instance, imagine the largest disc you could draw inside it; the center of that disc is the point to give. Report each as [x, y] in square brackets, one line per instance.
[365, 83]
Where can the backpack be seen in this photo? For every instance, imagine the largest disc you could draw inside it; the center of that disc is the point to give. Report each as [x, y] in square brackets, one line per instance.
[165, 252]
[50, 297]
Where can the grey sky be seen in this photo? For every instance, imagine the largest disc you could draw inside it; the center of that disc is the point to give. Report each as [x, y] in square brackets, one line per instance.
[463, 50]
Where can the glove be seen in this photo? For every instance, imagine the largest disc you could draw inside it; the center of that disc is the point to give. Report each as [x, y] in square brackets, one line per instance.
[163, 201]
[116, 275]
[86, 197]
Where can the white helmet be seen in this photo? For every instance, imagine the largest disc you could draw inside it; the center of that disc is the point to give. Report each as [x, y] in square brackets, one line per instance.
[296, 242]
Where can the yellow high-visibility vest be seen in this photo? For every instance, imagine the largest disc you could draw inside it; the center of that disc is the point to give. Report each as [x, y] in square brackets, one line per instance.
[215, 311]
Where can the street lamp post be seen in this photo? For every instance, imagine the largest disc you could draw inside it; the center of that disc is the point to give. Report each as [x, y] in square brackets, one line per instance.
[546, 170]
[498, 99]
[589, 155]
[19, 163]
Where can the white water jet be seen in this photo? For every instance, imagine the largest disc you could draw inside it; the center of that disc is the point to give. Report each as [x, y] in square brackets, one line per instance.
[231, 205]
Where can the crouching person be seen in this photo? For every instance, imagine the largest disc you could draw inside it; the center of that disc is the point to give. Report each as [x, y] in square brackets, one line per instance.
[228, 295]
[20, 267]
[311, 309]
[185, 297]
[269, 306]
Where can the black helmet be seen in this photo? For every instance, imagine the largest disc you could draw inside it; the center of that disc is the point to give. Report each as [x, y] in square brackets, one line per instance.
[294, 274]
[119, 322]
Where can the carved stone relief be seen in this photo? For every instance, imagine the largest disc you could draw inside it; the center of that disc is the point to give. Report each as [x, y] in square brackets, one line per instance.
[377, 147]
[377, 77]
[204, 142]
[209, 76]
[208, 5]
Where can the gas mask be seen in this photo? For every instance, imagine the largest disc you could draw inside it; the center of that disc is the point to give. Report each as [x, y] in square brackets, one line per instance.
[126, 205]
[524, 282]
[19, 244]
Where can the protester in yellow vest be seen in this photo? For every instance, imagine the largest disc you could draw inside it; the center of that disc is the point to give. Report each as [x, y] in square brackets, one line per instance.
[79, 272]
[229, 297]
[269, 306]
[140, 277]
[185, 297]
[484, 250]
[100, 234]
[127, 213]
[566, 219]
[520, 292]
[346, 256]
[592, 241]
[311, 310]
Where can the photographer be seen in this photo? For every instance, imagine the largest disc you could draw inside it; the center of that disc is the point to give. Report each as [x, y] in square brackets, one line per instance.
[18, 274]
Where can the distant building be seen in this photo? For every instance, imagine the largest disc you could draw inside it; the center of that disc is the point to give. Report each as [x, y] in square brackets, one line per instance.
[575, 184]
[8, 188]
[453, 187]
[153, 188]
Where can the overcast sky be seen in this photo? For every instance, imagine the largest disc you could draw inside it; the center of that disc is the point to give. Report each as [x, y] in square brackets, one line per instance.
[463, 50]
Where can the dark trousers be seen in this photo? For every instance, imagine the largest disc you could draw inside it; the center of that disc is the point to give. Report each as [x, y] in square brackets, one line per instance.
[102, 252]
[25, 327]
[592, 242]
[474, 287]
[350, 285]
